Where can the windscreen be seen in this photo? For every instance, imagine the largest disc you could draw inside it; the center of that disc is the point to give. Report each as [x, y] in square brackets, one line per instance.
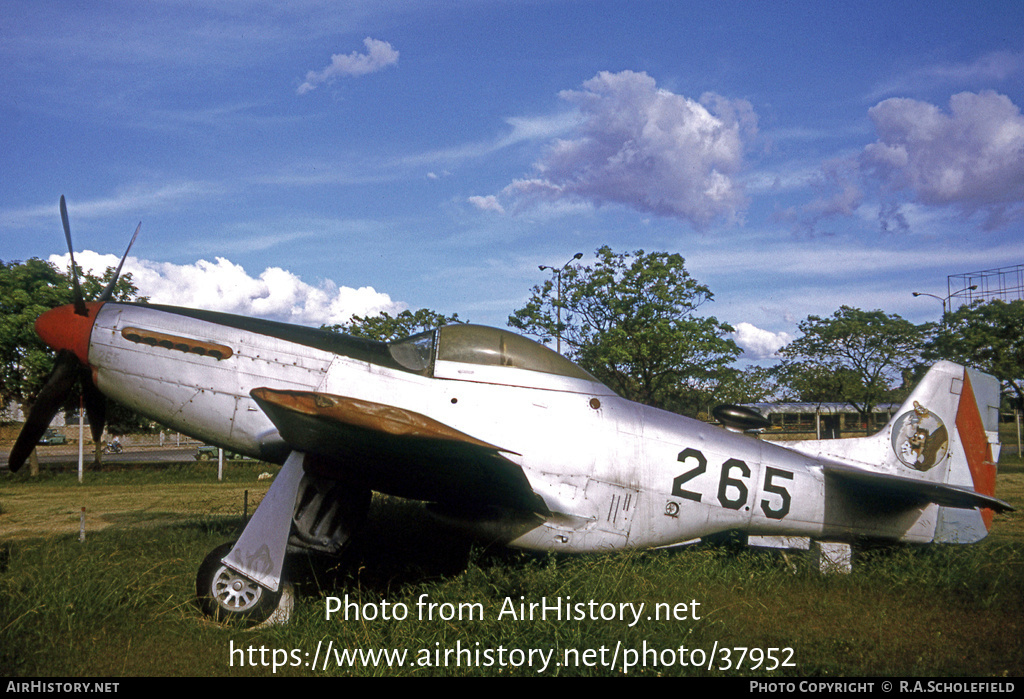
[415, 352]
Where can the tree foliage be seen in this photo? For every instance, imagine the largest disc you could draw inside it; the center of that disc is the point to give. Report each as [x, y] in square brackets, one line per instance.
[385, 327]
[988, 336]
[632, 321]
[752, 384]
[26, 290]
[854, 356]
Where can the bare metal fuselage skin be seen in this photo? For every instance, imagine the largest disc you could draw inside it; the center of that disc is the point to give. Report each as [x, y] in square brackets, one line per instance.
[611, 472]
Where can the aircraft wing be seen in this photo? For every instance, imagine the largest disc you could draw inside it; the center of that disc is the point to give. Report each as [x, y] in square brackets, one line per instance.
[398, 451]
[898, 491]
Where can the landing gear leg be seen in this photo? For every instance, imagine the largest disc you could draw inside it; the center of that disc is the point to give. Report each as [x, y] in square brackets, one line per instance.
[241, 581]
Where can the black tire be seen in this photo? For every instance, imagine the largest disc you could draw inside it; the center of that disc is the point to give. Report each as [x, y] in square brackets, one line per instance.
[230, 598]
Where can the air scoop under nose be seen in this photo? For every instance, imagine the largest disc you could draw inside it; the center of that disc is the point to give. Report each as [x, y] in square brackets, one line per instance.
[63, 328]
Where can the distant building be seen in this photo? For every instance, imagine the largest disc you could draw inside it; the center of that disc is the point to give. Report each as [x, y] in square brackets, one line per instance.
[13, 414]
[819, 420]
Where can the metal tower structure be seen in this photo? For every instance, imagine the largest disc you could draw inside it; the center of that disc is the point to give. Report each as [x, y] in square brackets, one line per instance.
[1004, 283]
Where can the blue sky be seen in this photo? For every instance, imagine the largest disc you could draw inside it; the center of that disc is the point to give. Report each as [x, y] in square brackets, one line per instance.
[307, 160]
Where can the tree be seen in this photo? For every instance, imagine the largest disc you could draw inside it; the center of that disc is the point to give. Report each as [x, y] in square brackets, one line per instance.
[812, 382]
[385, 327]
[988, 336]
[26, 291]
[855, 356]
[631, 320]
[753, 384]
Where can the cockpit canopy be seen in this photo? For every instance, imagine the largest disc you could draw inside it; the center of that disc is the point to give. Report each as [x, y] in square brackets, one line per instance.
[484, 347]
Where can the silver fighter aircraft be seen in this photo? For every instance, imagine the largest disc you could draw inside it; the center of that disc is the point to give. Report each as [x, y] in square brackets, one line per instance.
[503, 435]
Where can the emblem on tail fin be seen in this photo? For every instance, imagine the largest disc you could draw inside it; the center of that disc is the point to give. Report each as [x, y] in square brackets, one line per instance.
[919, 438]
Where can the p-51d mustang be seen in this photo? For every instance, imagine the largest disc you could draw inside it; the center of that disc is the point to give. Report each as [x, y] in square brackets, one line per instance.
[503, 435]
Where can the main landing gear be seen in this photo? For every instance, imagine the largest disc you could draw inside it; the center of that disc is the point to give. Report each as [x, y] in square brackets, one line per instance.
[240, 583]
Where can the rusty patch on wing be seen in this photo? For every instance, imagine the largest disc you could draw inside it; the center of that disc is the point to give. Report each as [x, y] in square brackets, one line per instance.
[367, 415]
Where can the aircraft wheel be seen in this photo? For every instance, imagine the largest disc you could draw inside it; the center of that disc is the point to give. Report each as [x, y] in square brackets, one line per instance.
[229, 597]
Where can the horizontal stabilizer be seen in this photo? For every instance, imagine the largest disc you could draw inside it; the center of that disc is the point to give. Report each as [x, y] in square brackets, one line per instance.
[903, 491]
[398, 451]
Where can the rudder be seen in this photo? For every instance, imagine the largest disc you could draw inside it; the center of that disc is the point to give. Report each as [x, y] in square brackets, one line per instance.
[977, 425]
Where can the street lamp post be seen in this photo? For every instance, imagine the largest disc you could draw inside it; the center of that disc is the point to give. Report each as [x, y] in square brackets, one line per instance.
[558, 303]
[943, 300]
[946, 299]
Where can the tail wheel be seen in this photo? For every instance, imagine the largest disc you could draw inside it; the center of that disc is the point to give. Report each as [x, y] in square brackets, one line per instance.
[229, 597]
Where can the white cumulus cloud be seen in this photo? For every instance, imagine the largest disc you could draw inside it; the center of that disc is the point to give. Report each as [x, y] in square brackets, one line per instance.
[757, 343]
[646, 148]
[970, 157]
[379, 55]
[488, 203]
[276, 294]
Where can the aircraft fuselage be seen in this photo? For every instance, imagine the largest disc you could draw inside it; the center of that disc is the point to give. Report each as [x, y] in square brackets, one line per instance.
[613, 473]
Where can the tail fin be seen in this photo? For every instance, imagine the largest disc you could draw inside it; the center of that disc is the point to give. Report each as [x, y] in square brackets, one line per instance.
[941, 447]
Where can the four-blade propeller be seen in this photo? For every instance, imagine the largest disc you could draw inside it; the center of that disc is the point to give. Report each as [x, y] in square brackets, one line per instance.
[67, 369]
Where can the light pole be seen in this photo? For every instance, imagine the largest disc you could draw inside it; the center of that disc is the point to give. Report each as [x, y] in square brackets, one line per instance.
[558, 303]
[944, 300]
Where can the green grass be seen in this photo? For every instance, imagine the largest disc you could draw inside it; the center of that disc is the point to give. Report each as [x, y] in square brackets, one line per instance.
[121, 603]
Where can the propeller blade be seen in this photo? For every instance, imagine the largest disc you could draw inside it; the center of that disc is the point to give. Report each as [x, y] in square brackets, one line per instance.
[108, 292]
[67, 369]
[53, 395]
[95, 405]
[79, 299]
